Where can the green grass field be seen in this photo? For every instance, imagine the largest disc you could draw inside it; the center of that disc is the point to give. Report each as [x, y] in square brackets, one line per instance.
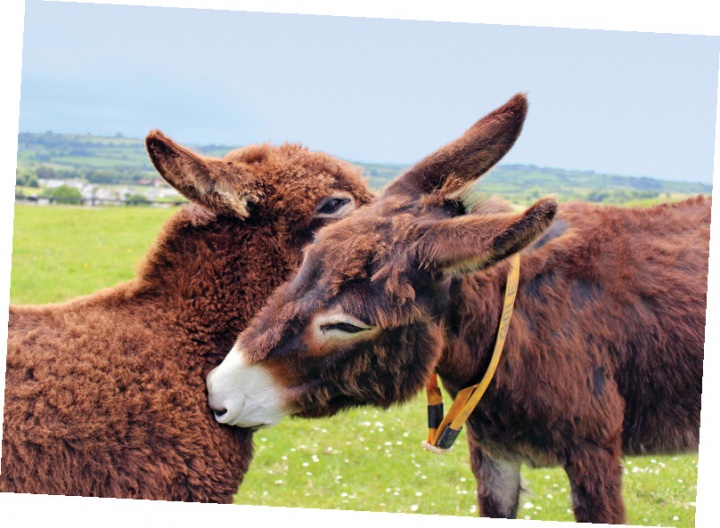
[62, 252]
[366, 459]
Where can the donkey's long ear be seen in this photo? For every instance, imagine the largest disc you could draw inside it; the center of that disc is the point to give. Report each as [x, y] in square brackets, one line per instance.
[472, 242]
[468, 157]
[211, 182]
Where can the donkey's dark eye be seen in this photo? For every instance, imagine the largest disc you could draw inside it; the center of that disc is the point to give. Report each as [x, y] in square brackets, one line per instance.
[343, 327]
[331, 205]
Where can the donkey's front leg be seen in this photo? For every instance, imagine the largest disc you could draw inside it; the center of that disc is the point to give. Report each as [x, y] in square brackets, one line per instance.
[498, 482]
[595, 475]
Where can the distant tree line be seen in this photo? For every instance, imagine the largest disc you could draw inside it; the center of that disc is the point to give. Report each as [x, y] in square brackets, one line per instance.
[618, 196]
[64, 142]
[64, 194]
[99, 176]
[123, 161]
[69, 195]
[26, 177]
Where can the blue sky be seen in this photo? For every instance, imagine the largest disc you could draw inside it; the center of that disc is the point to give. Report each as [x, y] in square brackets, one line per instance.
[637, 104]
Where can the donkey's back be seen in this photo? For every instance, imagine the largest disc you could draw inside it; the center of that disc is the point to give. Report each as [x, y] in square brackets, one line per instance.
[636, 286]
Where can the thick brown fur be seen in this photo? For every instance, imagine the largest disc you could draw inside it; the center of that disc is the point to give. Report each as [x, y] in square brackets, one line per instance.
[604, 352]
[105, 394]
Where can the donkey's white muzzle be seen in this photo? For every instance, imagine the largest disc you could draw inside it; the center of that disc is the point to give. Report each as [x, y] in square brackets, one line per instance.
[242, 394]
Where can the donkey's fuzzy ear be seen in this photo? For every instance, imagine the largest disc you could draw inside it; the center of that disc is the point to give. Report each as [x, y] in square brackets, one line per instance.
[472, 242]
[210, 182]
[468, 157]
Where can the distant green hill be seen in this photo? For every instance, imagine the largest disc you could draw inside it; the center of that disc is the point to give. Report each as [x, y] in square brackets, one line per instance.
[115, 160]
[523, 184]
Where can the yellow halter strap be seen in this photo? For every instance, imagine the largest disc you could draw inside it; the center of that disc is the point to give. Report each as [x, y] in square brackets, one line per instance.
[443, 431]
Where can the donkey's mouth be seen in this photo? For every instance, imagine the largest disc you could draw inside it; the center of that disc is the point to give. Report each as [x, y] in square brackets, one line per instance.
[325, 408]
[256, 428]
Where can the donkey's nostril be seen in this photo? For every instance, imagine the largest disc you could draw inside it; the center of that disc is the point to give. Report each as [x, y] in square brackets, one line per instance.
[219, 413]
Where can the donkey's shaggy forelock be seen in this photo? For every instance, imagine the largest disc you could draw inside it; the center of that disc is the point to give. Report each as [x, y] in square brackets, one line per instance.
[105, 394]
[603, 354]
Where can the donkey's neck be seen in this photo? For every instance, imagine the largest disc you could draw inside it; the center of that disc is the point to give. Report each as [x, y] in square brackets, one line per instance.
[471, 309]
[212, 279]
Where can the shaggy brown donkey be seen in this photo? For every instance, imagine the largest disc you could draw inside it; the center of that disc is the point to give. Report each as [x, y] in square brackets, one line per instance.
[603, 355]
[105, 394]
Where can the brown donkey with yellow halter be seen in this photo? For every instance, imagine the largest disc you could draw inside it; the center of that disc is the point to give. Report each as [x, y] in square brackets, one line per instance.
[603, 353]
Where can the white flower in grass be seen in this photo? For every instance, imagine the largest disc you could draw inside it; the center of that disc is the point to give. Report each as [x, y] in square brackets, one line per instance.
[414, 508]
[418, 493]
[528, 505]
